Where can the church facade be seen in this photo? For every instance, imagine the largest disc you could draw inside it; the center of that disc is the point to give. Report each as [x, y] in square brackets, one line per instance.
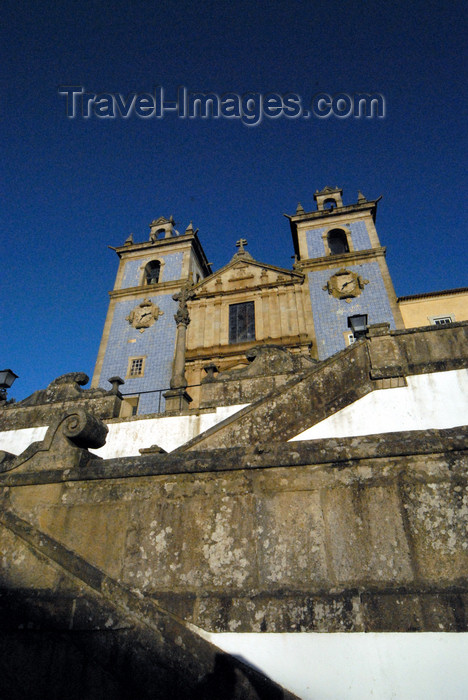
[339, 284]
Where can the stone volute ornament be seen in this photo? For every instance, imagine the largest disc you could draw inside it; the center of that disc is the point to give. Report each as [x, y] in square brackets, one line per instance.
[144, 315]
[345, 284]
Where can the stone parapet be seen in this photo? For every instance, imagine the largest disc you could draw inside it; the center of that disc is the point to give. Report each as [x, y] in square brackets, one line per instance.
[62, 395]
[356, 534]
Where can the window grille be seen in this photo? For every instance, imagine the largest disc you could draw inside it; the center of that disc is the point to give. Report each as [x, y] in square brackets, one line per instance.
[241, 322]
[136, 367]
[442, 320]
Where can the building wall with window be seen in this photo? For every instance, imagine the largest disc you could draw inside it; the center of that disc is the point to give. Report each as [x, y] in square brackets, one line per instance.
[153, 349]
[338, 248]
[450, 306]
[139, 335]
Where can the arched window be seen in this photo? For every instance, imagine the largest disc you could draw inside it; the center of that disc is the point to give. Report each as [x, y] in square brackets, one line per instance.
[152, 271]
[329, 203]
[337, 242]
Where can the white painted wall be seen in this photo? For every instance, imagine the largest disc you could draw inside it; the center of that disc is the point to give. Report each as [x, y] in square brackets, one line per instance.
[357, 666]
[16, 441]
[127, 437]
[438, 400]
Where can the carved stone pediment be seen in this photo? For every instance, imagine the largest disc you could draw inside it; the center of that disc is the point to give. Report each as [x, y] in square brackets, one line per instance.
[161, 221]
[144, 315]
[328, 190]
[243, 274]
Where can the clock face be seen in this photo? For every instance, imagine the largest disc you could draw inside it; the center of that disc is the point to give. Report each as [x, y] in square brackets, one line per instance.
[345, 283]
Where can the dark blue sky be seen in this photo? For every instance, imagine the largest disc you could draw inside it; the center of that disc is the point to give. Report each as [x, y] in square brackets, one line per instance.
[73, 186]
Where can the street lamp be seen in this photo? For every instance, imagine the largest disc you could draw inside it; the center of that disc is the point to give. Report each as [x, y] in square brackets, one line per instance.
[358, 325]
[7, 377]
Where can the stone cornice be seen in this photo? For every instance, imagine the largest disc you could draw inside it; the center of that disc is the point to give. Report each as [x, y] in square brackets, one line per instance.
[203, 354]
[332, 261]
[160, 243]
[432, 295]
[333, 213]
[176, 242]
[148, 290]
[169, 287]
[253, 288]
[324, 456]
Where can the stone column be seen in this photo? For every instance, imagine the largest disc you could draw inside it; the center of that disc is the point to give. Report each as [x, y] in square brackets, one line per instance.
[177, 399]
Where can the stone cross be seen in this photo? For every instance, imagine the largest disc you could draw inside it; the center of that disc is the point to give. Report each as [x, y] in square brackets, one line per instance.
[182, 315]
[240, 244]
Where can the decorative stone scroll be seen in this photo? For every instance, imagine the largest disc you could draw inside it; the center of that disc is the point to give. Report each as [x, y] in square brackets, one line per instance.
[65, 445]
[345, 284]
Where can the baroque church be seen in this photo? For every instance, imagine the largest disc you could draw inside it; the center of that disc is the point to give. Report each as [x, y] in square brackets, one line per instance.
[339, 285]
[266, 457]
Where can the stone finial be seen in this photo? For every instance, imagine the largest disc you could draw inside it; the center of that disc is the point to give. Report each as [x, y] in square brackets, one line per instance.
[241, 253]
[190, 228]
[129, 240]
[300, 209]
[116, 383]
[361, 198]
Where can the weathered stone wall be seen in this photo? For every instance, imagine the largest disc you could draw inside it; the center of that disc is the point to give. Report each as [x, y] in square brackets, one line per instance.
[365, 534]
[269, 368]
[68, 630]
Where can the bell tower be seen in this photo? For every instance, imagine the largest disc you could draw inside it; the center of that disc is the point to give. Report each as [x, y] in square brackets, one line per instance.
[139, 337]
[338, 248]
